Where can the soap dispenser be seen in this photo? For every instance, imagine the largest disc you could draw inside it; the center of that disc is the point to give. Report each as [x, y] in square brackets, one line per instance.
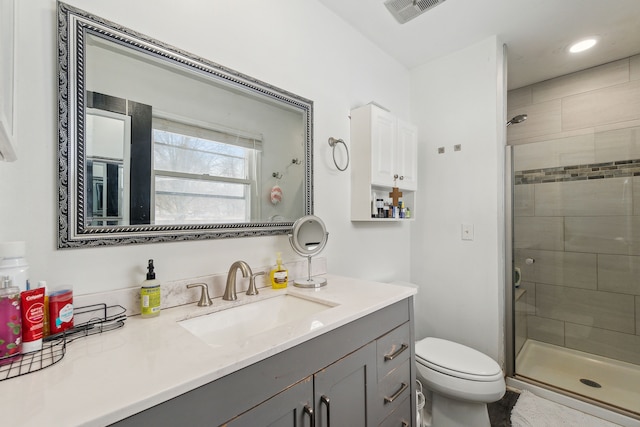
[279, 275]
[10, 321]
[150, 293]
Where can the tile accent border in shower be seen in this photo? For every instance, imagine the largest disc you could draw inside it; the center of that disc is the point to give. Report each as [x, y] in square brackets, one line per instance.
[579, 172]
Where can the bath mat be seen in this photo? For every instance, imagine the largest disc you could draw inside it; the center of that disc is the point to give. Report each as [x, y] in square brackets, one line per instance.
[533, 411]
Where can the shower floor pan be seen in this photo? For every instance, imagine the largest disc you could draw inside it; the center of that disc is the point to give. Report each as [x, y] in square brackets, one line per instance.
[565, 368]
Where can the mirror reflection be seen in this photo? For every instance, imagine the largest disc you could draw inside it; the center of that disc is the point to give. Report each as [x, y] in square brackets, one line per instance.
[167, 142]
[204, 150]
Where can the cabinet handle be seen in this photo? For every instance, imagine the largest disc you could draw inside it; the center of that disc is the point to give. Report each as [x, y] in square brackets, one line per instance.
[388, 357]
[395, 396]
[324, 399]
[309, 411]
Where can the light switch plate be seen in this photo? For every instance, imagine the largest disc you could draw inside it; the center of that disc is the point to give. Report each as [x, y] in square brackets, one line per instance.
[467, 231]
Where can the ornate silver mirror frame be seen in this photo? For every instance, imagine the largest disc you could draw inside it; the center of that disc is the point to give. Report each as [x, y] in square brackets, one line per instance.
[74, 25]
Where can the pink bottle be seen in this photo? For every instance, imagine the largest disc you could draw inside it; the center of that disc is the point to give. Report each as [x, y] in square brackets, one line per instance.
[10, 322]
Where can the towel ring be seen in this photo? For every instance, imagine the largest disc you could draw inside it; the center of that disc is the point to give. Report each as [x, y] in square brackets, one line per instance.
[333, 142]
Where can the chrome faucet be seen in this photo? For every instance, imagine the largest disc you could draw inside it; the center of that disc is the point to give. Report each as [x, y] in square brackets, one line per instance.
[230, 290]
[253, 290]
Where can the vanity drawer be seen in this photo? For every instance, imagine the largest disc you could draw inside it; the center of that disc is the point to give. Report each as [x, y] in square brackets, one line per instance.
[393, 349]
[401, 417]
[393, 389]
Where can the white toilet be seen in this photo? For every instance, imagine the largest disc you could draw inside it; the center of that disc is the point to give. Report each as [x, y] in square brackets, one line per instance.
[463, 381]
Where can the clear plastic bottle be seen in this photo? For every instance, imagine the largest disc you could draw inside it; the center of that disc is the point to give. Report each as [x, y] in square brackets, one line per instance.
[14, 264]
[10, 321]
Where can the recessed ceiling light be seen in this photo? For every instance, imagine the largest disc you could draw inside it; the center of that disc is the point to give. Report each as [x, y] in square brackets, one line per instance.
[582, 45]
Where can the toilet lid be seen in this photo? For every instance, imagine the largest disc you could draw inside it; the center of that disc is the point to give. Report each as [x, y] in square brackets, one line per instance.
[456, 359]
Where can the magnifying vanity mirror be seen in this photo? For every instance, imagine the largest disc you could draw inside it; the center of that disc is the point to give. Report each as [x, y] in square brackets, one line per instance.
[308, 237]
[157, 144]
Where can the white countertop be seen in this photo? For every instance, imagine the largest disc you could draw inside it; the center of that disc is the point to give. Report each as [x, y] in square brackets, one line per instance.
[107, 377]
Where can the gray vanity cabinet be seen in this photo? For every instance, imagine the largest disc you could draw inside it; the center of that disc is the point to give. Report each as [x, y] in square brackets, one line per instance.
[360, 374]
[343, 393]
[291, 408]
[394, 374]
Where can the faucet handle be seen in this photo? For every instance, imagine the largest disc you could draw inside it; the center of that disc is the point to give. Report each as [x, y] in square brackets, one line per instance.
[252, 284]
[205, 300]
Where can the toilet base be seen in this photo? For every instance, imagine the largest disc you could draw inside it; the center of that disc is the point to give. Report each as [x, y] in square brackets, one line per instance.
[447, 412]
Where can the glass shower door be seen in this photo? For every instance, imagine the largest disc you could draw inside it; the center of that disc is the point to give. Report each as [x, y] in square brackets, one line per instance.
[576, 255]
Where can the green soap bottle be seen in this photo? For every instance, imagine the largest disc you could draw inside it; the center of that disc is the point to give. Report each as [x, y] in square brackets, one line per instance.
[150, 294]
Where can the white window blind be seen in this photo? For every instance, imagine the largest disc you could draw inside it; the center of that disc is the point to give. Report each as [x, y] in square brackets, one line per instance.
[209, 132]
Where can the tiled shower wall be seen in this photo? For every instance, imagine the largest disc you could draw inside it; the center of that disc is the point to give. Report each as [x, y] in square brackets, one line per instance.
[577, 209]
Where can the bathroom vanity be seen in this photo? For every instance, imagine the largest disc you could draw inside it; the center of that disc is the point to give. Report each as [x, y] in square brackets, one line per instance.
[352, 363]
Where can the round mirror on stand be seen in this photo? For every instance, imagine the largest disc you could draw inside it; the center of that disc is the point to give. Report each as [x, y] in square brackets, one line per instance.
[308, 237]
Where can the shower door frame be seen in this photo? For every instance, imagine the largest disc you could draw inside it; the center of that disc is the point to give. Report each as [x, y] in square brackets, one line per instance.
[509, 303]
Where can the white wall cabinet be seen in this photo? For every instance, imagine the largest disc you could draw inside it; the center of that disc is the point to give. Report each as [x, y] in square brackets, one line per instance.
[406, 159]
[384, 153]
[7, 80]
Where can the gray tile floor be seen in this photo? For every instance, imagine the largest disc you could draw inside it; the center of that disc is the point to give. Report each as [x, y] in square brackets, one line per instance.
[500, 411]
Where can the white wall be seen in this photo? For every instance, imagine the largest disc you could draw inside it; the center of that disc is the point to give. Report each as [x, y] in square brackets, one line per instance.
[298, 46]
[458, 99]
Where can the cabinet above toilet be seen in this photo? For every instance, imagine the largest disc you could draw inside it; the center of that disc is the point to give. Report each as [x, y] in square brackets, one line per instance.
[385, 155]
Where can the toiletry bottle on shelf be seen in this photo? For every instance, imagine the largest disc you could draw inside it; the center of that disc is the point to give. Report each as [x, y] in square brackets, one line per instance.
[279, 275]
[14, 264]
[10, 321]
[374, 206]
[60, 309]
[150, 294]
[32, 307]
[45, 325]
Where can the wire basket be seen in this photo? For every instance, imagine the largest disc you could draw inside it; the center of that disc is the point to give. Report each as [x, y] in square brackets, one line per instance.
[88, 320]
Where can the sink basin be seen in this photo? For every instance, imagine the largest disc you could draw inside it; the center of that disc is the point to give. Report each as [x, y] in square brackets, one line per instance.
[239, 323]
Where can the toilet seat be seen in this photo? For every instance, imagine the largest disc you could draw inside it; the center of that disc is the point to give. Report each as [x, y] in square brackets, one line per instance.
[451, 358]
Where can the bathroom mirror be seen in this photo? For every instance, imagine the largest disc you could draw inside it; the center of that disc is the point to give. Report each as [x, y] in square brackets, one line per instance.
[308, 238]
[156, 144]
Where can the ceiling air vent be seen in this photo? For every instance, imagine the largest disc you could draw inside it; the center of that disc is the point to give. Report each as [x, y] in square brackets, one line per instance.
[406, 10]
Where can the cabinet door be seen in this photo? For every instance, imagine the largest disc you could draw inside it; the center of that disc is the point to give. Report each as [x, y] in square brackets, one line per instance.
[383, 147]
[290, 408]
[407, 156]
[344, 391]
[7, 79]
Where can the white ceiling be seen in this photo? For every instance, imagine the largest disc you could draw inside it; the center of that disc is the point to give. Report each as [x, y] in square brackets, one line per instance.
[537, 32]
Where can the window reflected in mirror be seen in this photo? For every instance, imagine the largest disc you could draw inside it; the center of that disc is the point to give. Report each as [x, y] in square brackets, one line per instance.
[204, 175]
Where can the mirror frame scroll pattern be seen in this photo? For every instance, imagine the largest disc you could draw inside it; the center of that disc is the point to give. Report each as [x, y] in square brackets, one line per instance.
[73, 231]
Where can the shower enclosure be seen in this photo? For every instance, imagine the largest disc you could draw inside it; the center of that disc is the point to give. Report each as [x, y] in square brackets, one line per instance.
[576, 266]
[573, 245]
